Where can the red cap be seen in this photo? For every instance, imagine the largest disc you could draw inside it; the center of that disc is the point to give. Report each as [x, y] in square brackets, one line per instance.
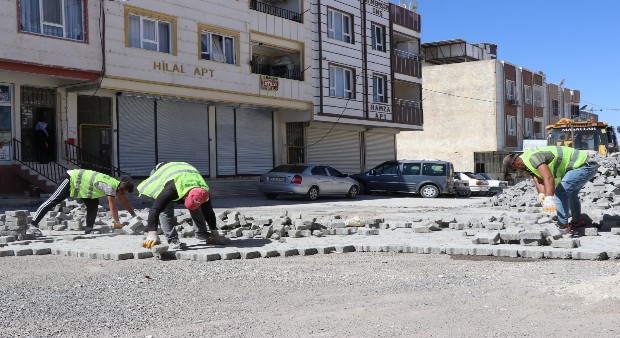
[195, 198]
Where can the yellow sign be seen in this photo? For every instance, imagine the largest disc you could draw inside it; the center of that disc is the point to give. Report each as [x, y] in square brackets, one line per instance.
[268, 82]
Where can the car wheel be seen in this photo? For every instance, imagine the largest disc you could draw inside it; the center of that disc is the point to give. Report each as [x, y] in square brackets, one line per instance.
[429, 191]
[271, 196]
[353, 192]
[312, 194]
[464, 193]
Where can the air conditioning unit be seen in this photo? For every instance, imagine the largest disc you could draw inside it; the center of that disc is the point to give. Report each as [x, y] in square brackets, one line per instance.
[511, 101]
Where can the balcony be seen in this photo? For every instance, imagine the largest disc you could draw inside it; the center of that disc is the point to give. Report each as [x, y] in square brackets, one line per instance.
[288, 10]
[404, 17]
[408, 112]
[276, 61]
[406, 63]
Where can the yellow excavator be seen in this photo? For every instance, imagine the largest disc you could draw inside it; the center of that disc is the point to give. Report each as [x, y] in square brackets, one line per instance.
[591, 135]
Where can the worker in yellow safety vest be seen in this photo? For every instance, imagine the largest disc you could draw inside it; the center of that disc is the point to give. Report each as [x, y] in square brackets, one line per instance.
[178, 182]
[559, 173]
[88, 186]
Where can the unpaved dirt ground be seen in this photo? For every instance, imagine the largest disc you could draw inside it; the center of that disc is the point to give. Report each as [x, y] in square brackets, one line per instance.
[353, 294]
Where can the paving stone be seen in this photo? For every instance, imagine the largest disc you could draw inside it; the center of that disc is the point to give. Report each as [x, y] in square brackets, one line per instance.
[250, 254]
[535, 254]
[615, 231]
[186, 255]
[367, 231]
[558, 254]
[505, 252]
[294, 233]
[23, 252]
[142, 254]
[269, 253]
[589, 255]
[481, 251]
[591, 232]
[326, 249]
[565, 243]
[456, 251]
[7, 239]
[42, 251]
[344, 248]
[421, 229]
[6, 252]
[208, 257]
[531, 242]
[288, 252]
[230, 255]
[307, 251]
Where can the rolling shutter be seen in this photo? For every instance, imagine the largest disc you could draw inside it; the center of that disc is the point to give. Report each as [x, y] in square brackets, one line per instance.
[379, 148]
[136, 131]
[183, 133]
[337, 148]
[254, 131]
[225, 137]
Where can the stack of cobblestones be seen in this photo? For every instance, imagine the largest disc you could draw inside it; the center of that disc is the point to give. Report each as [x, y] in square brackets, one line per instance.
[13, 226]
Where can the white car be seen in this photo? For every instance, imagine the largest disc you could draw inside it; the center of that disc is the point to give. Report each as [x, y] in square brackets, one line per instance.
[495, 186]
[477, 186]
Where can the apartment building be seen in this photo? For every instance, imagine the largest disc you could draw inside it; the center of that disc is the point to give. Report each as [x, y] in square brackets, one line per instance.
[233, 87]
[368, 82]
[479, 108]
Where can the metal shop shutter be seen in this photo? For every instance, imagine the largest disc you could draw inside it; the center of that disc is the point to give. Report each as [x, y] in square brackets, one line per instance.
[254, 130]
[379, 148]
[183, 133]
[225, 138]
[338, 148]
[136, 130]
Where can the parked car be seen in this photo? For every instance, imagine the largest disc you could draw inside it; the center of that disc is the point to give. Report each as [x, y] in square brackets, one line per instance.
[429, 178]
[477, 186]
[307, 180]
[461, 187]
[495, 186]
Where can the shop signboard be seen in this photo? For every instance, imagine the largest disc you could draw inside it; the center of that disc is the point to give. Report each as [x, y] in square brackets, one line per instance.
[268, 82]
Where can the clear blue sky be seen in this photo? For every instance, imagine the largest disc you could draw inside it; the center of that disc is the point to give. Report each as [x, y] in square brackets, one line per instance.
[578, 41]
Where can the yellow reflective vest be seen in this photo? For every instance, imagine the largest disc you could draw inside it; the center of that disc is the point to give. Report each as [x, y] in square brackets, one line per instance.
[184, 175]
[83, 183]
[565, 159]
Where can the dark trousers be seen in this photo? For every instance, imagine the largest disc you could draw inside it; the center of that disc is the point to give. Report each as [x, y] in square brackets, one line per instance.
[60, 194]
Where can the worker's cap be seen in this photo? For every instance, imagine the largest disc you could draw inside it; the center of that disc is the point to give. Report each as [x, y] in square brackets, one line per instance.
[195, 198]
[509, 160]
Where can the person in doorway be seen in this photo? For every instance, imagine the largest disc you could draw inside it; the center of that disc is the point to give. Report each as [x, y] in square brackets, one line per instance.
[180, 182]
[88, 186]
[42, 142]
[559, 173]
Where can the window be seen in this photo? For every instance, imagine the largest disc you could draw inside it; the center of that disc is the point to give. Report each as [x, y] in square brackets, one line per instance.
[538, 128]
[433, 169]
[528, 94]
[218, 47]
[60, 18]
[333, 172]
[318, 171]
[339, 26]
[528, 128]
[387, 169]
[511, 121]
[538, 96]
[555, 107]
[378, 88]
[340, 82]
[510, 90]
[378, 37]
[150, 31]
[411, 168]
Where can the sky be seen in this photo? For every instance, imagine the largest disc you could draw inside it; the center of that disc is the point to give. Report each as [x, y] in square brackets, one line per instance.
[578, 41]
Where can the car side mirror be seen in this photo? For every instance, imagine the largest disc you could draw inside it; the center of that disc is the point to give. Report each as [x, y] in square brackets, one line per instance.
[372, 172]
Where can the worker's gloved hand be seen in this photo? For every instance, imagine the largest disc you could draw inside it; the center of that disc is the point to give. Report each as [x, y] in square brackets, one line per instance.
[117, 225]
[549, 204]
[151, 240]
[541, 197]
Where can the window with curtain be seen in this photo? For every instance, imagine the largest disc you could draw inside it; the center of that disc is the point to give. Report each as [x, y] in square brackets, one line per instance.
[218, 47]
[59, 18]
[528, 128]
[378, 37]
[150, 33]
[379, 89]
[511, 124]
[340, 82]
[510, 90]
[339, 26]
[528, 94]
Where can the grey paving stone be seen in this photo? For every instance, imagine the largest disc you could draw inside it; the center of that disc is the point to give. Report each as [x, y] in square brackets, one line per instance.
[288, 252]
[6, 252]
[535, 254]
[230, 255]
[558, 254]
[250, 254]
[185, 255]
[565, 243]
[326, 249]
[615, 231]
[269, 253]
[23, 252]
[505, 252]
[142, 254]
[456, 251]
[344, 248]
[42, 251]
[208, 257]
[481, 251]
[121, 256]
[589, 255]
[307, 251]
[591, 232]
[367, 231]
[7, 239]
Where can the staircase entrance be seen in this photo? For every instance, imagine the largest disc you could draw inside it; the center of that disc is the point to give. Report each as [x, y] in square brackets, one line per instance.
[94, 117]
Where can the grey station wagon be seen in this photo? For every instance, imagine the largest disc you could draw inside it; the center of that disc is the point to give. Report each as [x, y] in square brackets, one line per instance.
[429, 178]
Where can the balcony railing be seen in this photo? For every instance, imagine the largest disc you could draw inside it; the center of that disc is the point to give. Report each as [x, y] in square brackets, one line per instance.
[404, 17]
[277, 71]
[408, 112]
[407, 63]
[275, 11]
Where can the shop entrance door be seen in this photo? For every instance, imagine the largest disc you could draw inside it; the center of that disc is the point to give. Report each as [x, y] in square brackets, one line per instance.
[38, 105]
[94, 120]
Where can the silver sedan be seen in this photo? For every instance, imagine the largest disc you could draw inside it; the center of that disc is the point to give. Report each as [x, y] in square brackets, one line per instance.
[307, 180]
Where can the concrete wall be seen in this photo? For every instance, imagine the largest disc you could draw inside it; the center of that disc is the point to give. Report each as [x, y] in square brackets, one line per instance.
[459, 114]
[50, 51]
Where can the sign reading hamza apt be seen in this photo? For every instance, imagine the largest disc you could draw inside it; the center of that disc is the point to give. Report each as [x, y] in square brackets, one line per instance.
[268, 82]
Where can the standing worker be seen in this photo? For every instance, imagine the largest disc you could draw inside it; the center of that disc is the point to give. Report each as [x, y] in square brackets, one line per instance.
[87, 185]
[179, 182]
[558, 172]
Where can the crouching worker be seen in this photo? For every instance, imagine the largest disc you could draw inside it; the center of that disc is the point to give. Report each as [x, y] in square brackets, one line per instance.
[180, 182]
[88, 186]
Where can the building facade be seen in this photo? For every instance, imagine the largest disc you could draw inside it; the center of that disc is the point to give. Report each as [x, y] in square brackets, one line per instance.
[234, 88]
[479, 108]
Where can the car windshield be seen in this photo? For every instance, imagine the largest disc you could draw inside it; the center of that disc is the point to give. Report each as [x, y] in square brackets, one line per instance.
[289, 168]
[470, 175]
[485, 176]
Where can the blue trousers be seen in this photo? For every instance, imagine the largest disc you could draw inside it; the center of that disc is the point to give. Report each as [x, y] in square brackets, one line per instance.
[567, 192]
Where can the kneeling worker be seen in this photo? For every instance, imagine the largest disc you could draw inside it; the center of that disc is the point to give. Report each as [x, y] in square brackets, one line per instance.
[178, 182]
[87, 185]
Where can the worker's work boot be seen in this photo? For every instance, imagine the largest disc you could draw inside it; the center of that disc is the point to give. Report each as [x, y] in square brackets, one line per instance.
[34, 231]
[175, 244]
